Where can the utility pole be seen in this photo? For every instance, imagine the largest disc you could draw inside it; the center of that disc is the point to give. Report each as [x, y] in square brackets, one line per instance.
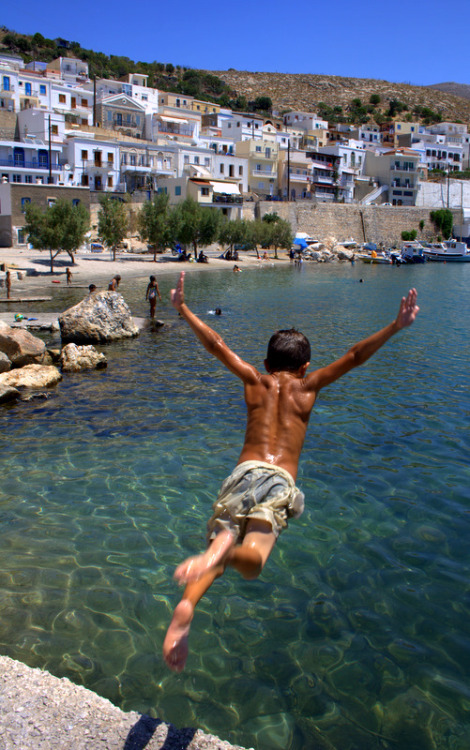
[94, 101]
[49, 179]
[288, 169]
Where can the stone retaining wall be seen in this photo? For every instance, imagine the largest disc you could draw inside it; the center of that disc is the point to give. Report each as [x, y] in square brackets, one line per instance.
[345, 221]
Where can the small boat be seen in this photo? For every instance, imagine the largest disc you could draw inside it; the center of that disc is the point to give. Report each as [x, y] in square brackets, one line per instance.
[375, 257]
[451, 251]
[412, 252]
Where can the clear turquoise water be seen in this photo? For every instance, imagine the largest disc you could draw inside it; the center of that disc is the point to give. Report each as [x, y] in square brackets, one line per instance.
[356, 636]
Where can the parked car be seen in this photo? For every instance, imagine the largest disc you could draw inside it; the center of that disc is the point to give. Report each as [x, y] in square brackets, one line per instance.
[96, 247]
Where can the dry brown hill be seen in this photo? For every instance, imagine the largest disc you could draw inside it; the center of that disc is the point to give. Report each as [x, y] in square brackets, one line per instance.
[457, 89]
[305, 91]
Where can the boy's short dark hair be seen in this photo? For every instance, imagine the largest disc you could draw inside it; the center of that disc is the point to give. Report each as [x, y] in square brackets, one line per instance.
[288, 350]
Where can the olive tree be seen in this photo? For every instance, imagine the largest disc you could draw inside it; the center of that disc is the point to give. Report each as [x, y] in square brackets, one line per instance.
[195, 225]
[112, 222]
[60, 227]
[156, 223]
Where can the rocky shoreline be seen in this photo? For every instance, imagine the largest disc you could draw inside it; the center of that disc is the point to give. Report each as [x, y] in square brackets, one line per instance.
[41, 712]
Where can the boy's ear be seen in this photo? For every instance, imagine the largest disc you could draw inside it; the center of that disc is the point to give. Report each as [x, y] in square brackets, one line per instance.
[303, 369]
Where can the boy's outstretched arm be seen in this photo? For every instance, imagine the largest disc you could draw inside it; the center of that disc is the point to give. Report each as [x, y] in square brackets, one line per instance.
[211, 340]
[360, 353]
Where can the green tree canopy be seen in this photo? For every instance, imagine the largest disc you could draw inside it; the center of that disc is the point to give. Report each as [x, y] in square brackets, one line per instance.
[156, 223]
[112, 222]
[443, 220]
[195, 225]
[62, 226]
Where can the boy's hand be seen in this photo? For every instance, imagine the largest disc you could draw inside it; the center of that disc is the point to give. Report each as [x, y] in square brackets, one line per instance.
[408, 310]
[177, 295]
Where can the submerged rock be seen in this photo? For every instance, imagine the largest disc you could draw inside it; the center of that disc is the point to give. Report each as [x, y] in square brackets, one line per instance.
[5, 363]
[77, 358]
[31, 376]
[100, 317]
[20, 346]
[8, 393]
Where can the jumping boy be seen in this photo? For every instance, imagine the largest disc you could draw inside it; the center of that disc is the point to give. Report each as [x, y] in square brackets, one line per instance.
[260, 495]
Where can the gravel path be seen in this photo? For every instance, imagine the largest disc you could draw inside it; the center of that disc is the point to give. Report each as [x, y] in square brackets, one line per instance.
[41, 712]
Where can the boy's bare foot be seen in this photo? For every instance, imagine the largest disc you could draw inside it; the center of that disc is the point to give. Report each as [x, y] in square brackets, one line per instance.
[194, 567]
[175, 645]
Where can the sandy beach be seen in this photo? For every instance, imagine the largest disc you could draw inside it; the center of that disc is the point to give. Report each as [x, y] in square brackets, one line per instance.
[30, 269]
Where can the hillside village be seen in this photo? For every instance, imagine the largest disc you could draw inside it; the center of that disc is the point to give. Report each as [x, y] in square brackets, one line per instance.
[63, 132]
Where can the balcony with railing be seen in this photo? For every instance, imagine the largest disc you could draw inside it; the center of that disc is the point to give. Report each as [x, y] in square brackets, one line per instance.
[264, 173]
[98, 164]
[28, 164]
[173, 128]
[221, 198]
[403, 168]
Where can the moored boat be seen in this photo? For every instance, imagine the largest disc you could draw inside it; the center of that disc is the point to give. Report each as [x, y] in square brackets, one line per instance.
[451, 251]
[412, 252]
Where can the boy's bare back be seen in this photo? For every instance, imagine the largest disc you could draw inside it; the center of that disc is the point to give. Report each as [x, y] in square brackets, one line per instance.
[279, 402]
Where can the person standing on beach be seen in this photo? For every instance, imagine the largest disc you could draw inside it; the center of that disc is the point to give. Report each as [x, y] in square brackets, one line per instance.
[114, 283]
[151, 295]
[257, 499]
[68, 274]
[8, 283]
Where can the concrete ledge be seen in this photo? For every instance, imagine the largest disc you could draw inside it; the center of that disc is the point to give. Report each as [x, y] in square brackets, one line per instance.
[41, 712]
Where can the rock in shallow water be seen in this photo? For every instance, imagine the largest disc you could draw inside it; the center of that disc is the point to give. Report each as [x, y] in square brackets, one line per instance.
[97, 319]
[75, 358]
[31, 376]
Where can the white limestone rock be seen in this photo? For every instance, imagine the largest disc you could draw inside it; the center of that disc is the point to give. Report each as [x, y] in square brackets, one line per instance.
[31, 376]
[99, 318]
[75, 358]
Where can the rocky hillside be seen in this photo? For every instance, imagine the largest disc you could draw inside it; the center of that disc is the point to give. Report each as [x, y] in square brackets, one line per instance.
[457, 89]
[305, 91]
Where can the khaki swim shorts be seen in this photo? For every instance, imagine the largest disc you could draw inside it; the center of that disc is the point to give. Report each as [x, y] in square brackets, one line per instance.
[258, 490]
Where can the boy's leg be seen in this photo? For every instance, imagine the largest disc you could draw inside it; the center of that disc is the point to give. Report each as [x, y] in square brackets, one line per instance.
[250, 557]
[175, 645]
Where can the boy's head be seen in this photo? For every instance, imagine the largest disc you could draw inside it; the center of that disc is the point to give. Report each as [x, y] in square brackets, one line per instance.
[287, 350]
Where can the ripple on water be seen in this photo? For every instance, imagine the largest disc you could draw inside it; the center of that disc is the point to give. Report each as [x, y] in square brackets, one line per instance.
[356, 633]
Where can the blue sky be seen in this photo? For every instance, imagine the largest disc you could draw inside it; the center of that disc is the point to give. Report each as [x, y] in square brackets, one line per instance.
[419, 42]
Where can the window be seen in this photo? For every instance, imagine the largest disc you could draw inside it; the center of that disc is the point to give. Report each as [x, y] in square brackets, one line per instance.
[55, 129]
[27, 89]
[258, 148]
[84, 154]
[62, 99]
[221, 169]
[110, 157]
[132, 160]
[118, 118]
[28, 178]
[110, 182]
[75, 201]
[207, 161]
[205, 191]
[6, 83]
[51, 202]
[231, 170]
[21, 237]
[42, 90]
[196, 159]
[24, 203]
[16, 178]
[84, 180]
[137, 119]
[186, 159]
[178, 190]
[84, 103]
